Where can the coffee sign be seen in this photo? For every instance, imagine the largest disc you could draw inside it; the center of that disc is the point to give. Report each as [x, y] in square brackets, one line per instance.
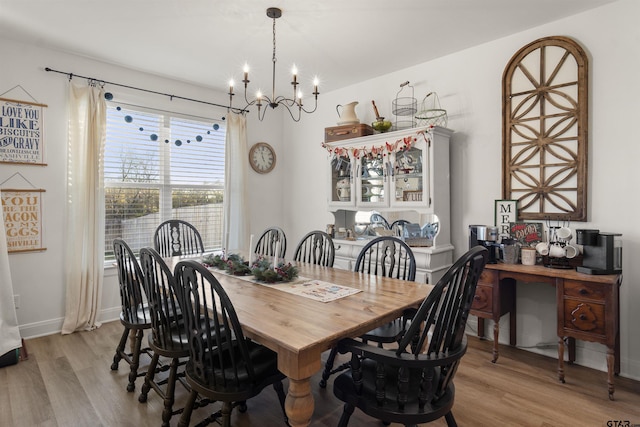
[21, 132]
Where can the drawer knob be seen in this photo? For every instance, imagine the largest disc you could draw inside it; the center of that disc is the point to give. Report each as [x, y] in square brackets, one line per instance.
[583, 317]
[583, 291]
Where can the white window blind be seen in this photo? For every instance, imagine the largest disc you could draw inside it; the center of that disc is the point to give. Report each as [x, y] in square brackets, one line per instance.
[159, 166]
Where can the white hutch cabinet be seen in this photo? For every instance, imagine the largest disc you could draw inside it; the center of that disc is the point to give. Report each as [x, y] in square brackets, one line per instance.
[401, 175]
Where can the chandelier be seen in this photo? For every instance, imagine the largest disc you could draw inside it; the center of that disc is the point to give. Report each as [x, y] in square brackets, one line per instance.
[294, 104]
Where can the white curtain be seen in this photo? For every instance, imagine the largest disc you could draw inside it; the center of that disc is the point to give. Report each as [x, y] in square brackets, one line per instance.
[236, 220]
[85, 208]
[9, 332]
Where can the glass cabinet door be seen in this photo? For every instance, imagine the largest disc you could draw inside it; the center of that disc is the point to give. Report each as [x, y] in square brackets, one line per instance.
[410, 176]
[372, 176]
[341, 180]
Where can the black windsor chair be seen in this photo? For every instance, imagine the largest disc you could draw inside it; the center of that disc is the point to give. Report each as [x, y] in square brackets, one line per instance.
[383, 256]
[413, 384]
[223, 365]
[176, 237]
[168, 337]
[135, 315]
[316, 247]
[266, 244]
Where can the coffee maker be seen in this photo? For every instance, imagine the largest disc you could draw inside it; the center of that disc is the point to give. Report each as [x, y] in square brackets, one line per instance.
[487, 236]
[602, 252]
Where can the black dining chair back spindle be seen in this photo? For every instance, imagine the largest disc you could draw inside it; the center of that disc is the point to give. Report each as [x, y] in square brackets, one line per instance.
[316, 247]
[268, 240]
[387, 256]
[176, 238]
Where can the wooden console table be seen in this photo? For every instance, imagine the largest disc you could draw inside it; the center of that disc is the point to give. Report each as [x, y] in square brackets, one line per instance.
[588, 308]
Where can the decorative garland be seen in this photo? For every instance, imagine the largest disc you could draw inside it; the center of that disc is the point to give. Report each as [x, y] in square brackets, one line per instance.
[128, 118]
[402, 144]
[235, 265]
[263, 271]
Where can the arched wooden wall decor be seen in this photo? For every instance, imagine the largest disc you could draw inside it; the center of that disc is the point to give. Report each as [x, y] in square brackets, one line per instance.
[544, 134]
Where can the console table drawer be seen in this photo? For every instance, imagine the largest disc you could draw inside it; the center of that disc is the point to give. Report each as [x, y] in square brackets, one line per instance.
[483, 299]
[584, 290]
[584, 317]
[488, 277]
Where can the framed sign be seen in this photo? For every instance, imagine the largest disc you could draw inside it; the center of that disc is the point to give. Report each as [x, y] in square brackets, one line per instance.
[21, 132]
[22, 215]
[527, 233]
[505, 213]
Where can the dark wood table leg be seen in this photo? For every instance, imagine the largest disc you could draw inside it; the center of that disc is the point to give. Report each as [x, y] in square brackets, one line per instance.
[572, 350]
[496, 334]
[611, 356]
[481, 328]
[512, 316]
[561, 359]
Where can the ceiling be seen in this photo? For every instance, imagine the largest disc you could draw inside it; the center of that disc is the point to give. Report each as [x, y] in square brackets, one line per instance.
[207, 42]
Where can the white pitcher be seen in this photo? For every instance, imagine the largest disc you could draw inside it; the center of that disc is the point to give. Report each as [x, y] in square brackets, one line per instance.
[348, 115]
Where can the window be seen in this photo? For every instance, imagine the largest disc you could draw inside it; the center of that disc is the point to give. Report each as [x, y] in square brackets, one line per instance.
[159, 166]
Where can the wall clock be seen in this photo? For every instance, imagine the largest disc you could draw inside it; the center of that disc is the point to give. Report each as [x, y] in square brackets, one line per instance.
[262, 157]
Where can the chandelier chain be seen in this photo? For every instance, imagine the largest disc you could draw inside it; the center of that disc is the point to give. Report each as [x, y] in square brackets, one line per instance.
[274, 40]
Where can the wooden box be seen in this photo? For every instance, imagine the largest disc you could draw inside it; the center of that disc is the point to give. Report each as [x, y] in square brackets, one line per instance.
[337, 133]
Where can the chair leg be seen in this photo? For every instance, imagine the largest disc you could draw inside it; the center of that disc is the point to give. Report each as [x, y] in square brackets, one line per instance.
[226, 414]
[346, 414]
[328, 366]
[451, 422]
[151, 373]
[281, 397]
[120, 350]
[185, 418]
[135, 360]
[328, 371]
[169, 396]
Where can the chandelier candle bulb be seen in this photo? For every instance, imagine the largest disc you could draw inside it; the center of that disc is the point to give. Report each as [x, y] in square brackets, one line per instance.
[246, 75]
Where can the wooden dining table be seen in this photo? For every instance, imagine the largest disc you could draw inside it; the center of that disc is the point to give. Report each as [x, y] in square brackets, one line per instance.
[300, 329]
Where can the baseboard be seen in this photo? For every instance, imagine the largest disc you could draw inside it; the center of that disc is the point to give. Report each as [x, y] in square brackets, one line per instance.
[54, 326]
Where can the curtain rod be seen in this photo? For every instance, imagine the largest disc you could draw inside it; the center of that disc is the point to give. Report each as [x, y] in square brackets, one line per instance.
[71, 76]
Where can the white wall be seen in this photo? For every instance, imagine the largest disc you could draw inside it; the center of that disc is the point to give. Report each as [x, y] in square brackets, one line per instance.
[469, 86]
[38, 276]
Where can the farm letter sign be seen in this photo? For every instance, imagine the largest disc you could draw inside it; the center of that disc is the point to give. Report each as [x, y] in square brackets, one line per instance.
[22, 215]
[21, 132]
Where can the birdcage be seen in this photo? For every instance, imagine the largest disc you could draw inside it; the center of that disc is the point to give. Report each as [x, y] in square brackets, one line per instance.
[404, 107]
[431, 113]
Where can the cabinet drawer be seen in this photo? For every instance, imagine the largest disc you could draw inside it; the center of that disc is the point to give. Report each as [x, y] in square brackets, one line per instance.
[483, 299]
[488, 277]
[584, 317]
[583, 290]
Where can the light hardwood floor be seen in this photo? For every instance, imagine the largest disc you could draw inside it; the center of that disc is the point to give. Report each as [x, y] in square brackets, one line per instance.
[67, 381]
